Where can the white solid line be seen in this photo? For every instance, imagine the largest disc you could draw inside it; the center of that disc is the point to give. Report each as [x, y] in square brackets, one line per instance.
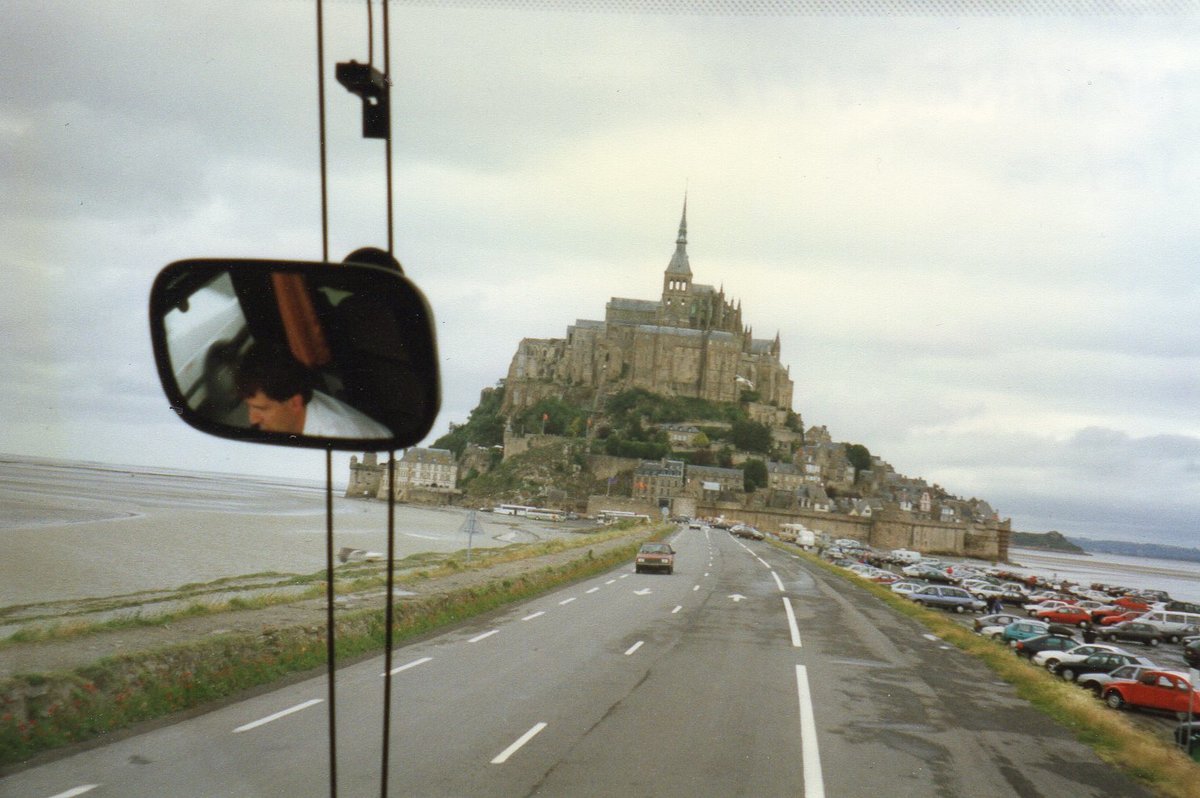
[677, 609]
[537, 614]
[634, 647]
[566, 601]
[80, 790]
[278, 715]
[412, 664]
[593, 590]
[512, 749]
[477, 638]
[791, 616]
[814, 782]
[778, 581]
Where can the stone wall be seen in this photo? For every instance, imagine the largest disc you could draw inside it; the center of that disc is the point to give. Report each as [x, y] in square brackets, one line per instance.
[519, 444]
[622, 504]
[888, 530]
[605, 466]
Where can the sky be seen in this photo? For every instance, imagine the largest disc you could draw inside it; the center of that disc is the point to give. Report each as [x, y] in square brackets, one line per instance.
[974, 231]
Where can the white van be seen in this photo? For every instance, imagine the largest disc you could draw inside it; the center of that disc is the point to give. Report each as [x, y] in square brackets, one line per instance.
[905, 556]
[1173, 624]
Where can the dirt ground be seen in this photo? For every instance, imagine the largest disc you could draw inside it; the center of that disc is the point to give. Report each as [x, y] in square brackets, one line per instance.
[67, 654]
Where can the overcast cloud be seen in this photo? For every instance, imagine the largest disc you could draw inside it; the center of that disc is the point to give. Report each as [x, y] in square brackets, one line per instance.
[975, 234]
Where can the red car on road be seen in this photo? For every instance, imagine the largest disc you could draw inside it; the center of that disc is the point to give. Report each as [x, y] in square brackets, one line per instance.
[1162, 690]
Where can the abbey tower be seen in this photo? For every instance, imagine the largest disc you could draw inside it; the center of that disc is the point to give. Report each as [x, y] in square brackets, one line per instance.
[689, 342]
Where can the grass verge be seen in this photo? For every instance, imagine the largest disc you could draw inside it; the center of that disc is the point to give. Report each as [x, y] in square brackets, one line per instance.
[1154, 762]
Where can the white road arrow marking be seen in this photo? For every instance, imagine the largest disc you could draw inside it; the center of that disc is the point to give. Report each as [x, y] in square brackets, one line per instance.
[737, 597]
[643, 592]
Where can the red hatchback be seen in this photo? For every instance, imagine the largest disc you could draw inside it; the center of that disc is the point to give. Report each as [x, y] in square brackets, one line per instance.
[655, 557]
[1163, 690]
[1067, 614]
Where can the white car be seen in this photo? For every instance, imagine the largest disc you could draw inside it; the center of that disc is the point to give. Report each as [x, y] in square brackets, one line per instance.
[1033, 609]
[1052, 660]
[904, 588]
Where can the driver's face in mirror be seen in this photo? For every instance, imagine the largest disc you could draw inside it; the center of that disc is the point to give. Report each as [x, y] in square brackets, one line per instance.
[280, 397]
[274, 415]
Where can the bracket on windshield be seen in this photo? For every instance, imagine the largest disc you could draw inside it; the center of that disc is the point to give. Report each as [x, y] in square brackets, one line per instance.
[369, 84]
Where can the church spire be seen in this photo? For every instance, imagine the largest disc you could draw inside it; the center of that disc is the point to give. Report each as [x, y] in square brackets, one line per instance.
[679, 265]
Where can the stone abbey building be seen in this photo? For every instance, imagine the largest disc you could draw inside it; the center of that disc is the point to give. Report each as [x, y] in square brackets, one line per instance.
[689, 342]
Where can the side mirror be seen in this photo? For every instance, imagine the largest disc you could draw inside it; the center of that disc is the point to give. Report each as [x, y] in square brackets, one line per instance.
[294, 353]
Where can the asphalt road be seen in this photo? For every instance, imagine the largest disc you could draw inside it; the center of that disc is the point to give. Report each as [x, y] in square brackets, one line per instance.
[746, 673]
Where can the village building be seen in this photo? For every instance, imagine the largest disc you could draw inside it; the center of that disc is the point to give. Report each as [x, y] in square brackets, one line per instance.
[658, 479]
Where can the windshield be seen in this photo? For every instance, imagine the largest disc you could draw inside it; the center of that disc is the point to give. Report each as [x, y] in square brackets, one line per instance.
[912, 275]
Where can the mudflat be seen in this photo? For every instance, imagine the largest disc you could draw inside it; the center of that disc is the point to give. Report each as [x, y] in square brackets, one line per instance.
[78, 530]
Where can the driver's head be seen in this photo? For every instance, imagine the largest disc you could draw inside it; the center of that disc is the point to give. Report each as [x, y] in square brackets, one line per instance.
[275, 388]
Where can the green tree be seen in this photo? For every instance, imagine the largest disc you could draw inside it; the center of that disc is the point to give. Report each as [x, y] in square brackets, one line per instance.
[859, 456]
[550, 414]
[751, 436]
[754, 475]
[484, 427]
[725, 457]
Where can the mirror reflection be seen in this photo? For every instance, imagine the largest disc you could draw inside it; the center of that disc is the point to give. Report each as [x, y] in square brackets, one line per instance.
[305, 354]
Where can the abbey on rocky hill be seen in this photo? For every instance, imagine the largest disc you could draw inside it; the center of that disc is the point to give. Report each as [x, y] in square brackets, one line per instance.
[690, 342]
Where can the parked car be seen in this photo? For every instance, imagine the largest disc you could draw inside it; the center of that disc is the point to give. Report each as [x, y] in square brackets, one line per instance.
[1096, 682]
[1115, 618]
[929, 573]
[1033, 608]
[905, 587]
[1000, 619]
[1014, 593]
[748, 532]
[1050, 660]
[1035, 645]
[947, 597]
[1134, 631]
[655, 557]
[1132, 603]
[1105, 662]
[1154, 689]
[1066, 614]
[1021, 630]
[1191, 654]
[1173, 625]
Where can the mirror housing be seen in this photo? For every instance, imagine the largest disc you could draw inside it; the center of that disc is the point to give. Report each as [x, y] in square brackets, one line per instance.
[296, 353]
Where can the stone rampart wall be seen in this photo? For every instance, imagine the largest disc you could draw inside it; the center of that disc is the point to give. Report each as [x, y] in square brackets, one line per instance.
[519, 444]
[604, 466]
[622, 504]
[887, 531]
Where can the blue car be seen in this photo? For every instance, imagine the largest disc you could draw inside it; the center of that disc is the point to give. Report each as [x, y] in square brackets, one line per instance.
[947, 597]
[1023, 630]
